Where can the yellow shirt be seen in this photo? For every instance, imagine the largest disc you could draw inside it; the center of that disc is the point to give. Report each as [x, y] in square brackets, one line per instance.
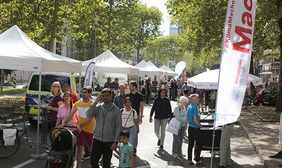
[82, 109]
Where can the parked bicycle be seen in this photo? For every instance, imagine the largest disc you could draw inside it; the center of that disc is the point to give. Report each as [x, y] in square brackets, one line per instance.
[10, 118]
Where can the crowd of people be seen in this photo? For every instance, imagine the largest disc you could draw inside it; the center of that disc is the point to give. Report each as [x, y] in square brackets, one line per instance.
[111, 122]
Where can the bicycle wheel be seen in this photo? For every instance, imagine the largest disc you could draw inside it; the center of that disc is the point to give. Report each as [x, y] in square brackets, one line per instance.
[7, 151]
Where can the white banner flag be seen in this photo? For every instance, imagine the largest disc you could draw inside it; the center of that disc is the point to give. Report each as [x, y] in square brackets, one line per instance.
[89, 74]
[235, 60]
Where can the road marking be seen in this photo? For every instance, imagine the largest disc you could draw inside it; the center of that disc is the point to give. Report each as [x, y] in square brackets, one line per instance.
[24, 163]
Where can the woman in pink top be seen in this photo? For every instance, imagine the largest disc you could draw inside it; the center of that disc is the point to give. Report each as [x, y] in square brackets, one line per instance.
[64, 111]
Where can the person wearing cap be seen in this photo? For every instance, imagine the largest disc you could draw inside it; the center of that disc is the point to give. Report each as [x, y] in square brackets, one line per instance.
[181, 116]
[194, 129]
[86, 125]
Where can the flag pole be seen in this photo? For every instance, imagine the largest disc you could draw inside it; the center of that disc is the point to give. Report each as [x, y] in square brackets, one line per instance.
[212, 152]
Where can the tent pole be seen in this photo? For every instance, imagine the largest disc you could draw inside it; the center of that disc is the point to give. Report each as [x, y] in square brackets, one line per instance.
[212, 152]
[79, 85]
[38, 114]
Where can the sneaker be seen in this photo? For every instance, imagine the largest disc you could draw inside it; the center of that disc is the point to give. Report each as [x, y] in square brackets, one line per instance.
[277, 156]
[175, 155]
[159, 142]
[200, 163]
[190, 163]
[86, 156]
[220, 166]
[161, 147]
[181, 155]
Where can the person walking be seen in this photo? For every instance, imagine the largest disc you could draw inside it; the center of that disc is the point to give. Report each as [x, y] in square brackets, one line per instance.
[120, 97]
[53, 106]
[181, 116]
[108, 128]
[225, 151]
[148, 91]
[194, 130]
[137, 104]
[85, 124]
[162, 109]
[64, 111]
[130, 122]
[108, 84]
[137, 100]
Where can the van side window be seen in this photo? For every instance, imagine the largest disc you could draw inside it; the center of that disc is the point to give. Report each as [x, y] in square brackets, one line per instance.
[47, 80]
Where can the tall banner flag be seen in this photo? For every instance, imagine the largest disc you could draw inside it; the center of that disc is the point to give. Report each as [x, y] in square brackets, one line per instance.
[235, 60]
[89, 74]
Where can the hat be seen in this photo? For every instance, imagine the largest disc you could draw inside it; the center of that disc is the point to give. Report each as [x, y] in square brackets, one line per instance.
[183, 99]
[193, 95]
[88, 88]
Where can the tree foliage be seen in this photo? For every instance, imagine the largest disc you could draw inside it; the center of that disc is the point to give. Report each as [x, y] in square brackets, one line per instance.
[202, 24]
[122, 26]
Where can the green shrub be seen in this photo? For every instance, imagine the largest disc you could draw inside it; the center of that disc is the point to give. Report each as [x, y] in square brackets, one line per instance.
[13, 91]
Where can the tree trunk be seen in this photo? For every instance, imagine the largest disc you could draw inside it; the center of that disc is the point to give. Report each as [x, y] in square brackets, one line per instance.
[52, 43]
[2, 79]
[279, 96]
[109, 24]
[138, 55]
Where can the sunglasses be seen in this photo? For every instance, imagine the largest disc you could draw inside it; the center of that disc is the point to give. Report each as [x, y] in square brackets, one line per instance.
[66, 95]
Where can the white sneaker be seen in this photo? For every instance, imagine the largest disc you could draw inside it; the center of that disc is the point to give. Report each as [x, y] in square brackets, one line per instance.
[175, 155]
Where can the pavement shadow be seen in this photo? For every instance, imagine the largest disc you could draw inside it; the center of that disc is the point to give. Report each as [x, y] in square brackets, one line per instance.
[171, 161]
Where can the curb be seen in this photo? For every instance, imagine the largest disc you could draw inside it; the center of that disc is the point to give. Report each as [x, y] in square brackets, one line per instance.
[266, 163]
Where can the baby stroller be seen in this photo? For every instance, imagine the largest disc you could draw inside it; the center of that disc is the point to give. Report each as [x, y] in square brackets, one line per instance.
[63, 145]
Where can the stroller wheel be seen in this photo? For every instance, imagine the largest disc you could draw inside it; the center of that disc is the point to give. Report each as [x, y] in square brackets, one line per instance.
[70, 162]
[47, 165]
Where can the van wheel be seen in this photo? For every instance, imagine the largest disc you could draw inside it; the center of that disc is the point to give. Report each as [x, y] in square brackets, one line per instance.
[32, 122]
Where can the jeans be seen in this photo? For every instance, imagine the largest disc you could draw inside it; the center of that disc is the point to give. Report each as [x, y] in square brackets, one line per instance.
[194, 135]
[132, 135]
[160, 123]
[100, 148]
[177, 141]
[225, 152]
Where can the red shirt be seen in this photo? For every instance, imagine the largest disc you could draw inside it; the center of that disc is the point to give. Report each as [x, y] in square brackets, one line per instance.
[74, 97]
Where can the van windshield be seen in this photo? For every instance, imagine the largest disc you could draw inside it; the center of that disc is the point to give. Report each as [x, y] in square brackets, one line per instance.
[47, 80]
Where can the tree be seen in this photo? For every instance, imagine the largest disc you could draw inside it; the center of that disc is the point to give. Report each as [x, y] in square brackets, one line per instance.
[42, 20]
[145, 24]
[279, 96]
[163, 49]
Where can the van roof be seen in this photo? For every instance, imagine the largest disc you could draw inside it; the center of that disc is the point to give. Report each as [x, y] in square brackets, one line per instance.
[55, 73]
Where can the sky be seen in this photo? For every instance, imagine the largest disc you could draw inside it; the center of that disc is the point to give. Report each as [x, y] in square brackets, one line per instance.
[161, 5]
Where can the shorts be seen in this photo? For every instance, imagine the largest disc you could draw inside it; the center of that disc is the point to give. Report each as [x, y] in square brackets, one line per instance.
[84, 138]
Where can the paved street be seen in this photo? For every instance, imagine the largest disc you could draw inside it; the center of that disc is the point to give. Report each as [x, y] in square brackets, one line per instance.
[243, 154]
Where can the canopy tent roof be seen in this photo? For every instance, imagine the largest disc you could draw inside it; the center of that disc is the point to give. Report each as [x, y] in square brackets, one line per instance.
[209, 80]
[148, 69]
[107, 62]
[168, 71]
[19, 52]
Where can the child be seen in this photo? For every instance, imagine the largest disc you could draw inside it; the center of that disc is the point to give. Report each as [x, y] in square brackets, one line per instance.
[64, 111]
[126, 152]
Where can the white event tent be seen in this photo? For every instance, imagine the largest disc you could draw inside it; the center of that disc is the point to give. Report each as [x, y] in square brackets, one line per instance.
[168, 71]
[209, 80]
[148, 69]
[19, 52]
[107, 62]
